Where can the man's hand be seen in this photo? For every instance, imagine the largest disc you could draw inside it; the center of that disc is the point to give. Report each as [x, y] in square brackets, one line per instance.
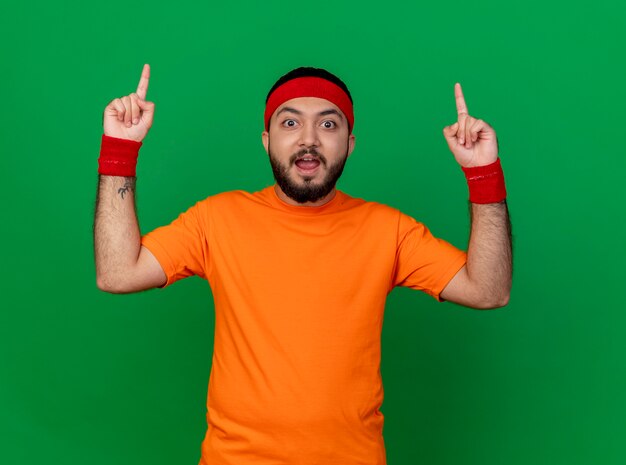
[130, 117]
[472, 141]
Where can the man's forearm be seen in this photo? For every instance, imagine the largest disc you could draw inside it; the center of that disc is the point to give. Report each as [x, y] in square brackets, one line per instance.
[117, 239]
[490, 253]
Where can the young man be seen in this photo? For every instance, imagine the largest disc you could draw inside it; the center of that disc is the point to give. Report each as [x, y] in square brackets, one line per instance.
[299, 271]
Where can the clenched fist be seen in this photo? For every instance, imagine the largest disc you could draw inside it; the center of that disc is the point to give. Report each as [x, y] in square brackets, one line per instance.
[130, 117]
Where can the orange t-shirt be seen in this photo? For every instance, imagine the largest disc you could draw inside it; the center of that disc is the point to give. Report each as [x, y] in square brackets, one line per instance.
[299, 298]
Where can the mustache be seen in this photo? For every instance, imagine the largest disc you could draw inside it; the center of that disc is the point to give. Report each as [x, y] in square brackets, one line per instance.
[308, 151]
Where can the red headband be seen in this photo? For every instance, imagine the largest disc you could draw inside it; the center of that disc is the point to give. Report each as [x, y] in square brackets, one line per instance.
[310, 86]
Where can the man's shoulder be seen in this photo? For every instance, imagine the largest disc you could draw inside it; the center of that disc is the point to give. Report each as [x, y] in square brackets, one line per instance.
[233, 198]
[383, 212]
[229, 196]
[372, 206]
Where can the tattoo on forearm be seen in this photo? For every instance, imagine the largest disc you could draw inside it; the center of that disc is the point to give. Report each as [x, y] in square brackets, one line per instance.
[129, 186]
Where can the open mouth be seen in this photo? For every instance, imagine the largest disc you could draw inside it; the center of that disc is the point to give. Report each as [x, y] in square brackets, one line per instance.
[307, 164]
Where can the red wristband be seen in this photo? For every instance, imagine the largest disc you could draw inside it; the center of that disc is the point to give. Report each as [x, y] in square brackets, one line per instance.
[486, 183]
[118, 157]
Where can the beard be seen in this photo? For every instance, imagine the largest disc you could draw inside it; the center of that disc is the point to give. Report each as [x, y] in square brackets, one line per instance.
[308, 191]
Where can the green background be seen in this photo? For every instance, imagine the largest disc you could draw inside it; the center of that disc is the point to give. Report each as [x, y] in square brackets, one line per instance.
[91, 377]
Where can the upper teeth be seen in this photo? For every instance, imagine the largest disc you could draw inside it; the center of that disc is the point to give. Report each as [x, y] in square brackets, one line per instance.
[307, 159]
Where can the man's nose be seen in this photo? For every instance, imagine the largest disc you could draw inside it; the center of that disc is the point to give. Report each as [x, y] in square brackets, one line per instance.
[309, 136]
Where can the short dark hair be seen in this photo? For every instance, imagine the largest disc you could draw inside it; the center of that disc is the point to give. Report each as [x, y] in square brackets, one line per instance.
[309, 71]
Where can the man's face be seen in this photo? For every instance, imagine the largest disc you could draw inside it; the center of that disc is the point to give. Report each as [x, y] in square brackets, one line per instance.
[308, 143]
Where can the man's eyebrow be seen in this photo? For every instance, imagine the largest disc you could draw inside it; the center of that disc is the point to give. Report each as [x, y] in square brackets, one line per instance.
[330, 111]
[292, 110]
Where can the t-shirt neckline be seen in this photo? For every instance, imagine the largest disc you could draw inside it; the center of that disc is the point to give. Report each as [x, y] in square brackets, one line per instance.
[280, 204]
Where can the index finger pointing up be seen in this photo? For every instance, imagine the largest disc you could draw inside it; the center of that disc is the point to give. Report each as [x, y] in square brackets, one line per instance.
[142, 88]
[460, 100]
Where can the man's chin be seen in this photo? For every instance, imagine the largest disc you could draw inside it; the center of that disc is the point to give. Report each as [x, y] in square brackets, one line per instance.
[308, 181]
[303, 192]
[302, 179]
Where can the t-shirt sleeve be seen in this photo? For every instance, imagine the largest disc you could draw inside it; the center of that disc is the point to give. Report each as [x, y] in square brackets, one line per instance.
[181, 246]
[424, 262]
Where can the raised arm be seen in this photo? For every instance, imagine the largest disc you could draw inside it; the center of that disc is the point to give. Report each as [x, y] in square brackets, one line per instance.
[122, 264]
[485, 281]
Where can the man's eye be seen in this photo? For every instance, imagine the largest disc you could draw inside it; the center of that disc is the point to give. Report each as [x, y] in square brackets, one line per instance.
[328, 124]
[289, 123]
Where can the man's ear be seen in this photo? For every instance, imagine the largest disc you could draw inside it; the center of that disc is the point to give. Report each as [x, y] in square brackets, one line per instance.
[351, 141]
[265, 137]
